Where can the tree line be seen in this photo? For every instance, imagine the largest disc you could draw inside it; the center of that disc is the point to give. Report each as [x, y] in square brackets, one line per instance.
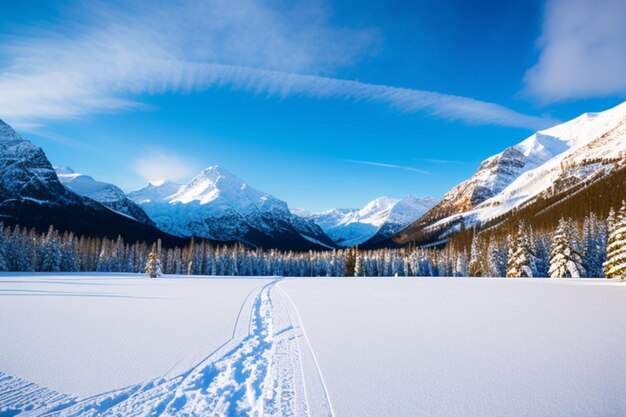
[595, 247]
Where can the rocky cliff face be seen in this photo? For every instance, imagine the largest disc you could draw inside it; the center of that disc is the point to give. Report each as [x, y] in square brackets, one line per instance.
[32, 195]
[547, 162]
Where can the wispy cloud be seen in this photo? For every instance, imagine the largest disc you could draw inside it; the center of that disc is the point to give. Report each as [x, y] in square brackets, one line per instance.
[386, 165]
[583, 51]
[158, 164]
[114, 59]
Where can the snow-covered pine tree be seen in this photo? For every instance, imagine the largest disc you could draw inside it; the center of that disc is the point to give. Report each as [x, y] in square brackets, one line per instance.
[615, 265]
[496, 259]
[565, 258]
[51, 252]
[541, 253]
[153, 265]
[475, 262]
[425, 266]
[407, 266]
[70, 259]
[460, 268]
[520, 262]
[358, 263]
[594, 244]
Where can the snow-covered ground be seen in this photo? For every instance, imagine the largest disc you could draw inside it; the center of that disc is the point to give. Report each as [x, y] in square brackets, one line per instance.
[73, 345]
[89, 334]
[124, 345]
[467, 347]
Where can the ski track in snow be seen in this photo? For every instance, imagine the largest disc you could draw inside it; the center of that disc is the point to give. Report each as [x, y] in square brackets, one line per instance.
[260, 371]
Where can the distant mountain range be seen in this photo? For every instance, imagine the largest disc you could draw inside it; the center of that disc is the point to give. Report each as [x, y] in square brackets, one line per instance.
[570, 156]
[218, 205]
[374, 223]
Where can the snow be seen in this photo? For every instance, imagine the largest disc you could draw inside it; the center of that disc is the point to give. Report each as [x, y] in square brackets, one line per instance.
[216, 204]
[317, 242]
[351, 227]
[87, 186]
[109, 195]
[8, 134]
[599, 137]
[467, 347]
[135, 346]
[87, 334]
[587, 145]
[155, 192]
[119, 344]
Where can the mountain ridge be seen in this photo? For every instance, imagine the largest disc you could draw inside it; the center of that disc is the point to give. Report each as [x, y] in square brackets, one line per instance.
[544, 163]
[107, 194]
[374, 222]
[218, 205]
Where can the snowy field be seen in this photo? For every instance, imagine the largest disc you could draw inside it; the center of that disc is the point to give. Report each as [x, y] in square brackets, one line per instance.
[106, 344]
[90, 334]
[467, 347]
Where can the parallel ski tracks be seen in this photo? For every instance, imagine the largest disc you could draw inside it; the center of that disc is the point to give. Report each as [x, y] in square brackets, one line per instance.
[261, 371]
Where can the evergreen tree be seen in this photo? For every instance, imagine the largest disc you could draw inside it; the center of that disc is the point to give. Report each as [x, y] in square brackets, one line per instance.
[615, 265]
[51, 252]
[520, 262]
[594, 244]
[541, 252]
[496, 259]
[153, 266]
[565, 258]
[350, 263]
[476, 262]
[460, 268]
[358, 263]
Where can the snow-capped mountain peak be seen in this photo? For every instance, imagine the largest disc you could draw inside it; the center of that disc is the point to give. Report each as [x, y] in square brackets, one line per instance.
[378, 219]
[216, 184]
[210, 184]
[375, 209]
[219, 205]
[549, 161]
[152, 192]
[63, 170]
[7, 133]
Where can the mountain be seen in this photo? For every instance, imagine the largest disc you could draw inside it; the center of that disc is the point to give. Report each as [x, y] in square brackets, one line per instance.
[218, 205]
[105, 193]
[374, 223]
[551, 161]
[155, 192]
[32, 195]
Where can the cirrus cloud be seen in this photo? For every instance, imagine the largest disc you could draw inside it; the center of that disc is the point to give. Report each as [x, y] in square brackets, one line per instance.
[109, 60]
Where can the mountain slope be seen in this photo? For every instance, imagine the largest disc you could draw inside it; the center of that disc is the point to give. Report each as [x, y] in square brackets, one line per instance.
[32, 195]
[218, 205]
[374, 223]
[548, 162]
[155, 192]
[105, 193]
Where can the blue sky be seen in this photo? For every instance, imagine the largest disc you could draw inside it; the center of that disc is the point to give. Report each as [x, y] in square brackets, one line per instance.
[322, 103]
